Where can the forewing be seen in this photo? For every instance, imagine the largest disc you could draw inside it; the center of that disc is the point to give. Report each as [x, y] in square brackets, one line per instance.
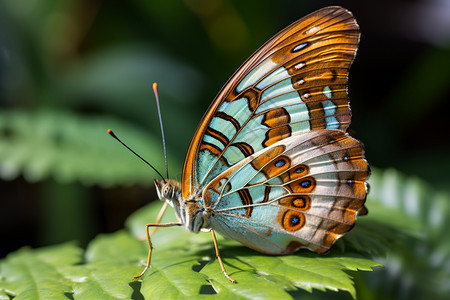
[295, 83]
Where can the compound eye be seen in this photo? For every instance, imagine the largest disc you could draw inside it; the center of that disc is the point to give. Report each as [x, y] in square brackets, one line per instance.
[166, 190]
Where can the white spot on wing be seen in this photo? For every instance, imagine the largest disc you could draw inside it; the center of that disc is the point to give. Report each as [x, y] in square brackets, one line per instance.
[312, 30]
[299, 66]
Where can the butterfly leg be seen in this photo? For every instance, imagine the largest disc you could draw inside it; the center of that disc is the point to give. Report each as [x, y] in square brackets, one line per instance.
[158, 220]
[159, 217]
[150, 242]
[218, 254]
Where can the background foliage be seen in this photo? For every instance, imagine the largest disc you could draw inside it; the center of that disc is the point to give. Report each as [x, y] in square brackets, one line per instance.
[70, 69]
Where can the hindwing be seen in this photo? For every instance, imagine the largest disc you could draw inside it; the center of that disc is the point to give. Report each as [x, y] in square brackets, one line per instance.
[302, 192]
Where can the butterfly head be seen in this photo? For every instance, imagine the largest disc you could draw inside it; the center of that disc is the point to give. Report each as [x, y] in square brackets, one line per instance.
[168, 190]
[191, 213]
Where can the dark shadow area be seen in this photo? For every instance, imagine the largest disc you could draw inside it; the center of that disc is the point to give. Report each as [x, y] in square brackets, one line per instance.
[201, 264]
[207, 290]
[69, 296]
[136, 286]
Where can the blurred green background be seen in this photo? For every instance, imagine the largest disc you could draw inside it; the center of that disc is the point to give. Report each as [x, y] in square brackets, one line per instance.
[71, 69]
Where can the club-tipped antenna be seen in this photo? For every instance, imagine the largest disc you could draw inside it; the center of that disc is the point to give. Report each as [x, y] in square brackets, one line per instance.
[111, 133]
[155, 91]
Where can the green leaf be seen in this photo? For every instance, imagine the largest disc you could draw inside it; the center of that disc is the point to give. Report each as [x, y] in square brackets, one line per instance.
[49, 143]
[183, 262]
[38, 274]
[416, 265]
[110, 265]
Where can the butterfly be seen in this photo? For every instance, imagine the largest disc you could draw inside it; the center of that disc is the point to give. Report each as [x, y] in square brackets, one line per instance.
[271, 164]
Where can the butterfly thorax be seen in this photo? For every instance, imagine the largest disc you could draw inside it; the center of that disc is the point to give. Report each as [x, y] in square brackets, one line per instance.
[190, 212]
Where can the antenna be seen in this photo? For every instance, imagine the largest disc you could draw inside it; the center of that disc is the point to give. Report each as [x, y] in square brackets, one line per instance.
[155, 90]
[111, 133]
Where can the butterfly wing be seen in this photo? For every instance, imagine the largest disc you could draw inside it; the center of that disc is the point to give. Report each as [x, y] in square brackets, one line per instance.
[294, 83]
[302, 192]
